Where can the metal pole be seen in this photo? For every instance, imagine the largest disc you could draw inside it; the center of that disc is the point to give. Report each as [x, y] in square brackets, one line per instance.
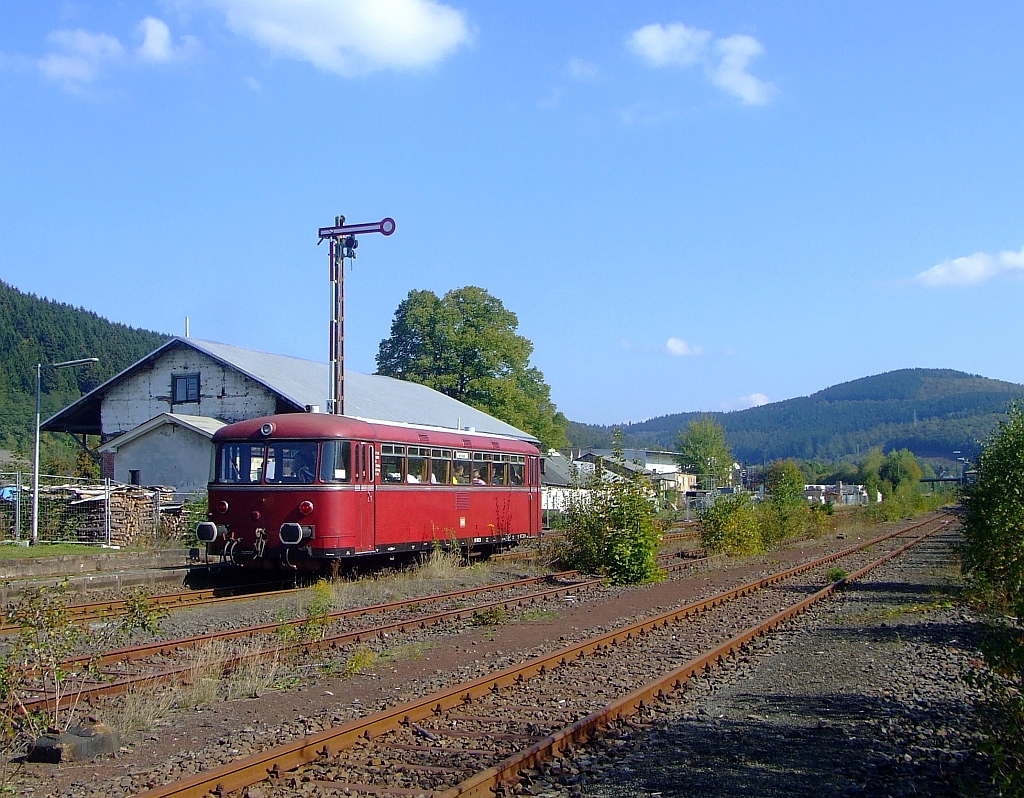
[35, 465]
[106, 507]
[337, 391]
[17, 507]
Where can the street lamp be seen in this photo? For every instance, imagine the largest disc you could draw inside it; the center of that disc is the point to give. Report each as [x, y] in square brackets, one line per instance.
[35, 460]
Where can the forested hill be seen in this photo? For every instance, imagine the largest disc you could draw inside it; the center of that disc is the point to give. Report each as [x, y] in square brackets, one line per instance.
[932, 412]
[34, 330]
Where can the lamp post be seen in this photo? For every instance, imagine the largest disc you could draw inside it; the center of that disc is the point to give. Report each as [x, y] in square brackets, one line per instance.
[35, 460]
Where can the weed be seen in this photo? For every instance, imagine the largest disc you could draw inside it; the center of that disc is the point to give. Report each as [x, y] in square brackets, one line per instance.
[492, 616]
[318, 611]
[405, 651]
[835, 573]
[358, 661]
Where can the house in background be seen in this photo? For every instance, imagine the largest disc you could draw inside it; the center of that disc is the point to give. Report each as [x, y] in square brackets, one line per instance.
[157, 417]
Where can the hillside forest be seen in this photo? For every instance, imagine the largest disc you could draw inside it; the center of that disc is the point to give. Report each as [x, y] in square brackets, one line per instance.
[38, 330]
[931, 412]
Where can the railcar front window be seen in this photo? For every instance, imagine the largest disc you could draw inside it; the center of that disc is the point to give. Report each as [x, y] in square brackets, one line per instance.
[291, 463]
[336, 462]
[241, 463]
[392, 463]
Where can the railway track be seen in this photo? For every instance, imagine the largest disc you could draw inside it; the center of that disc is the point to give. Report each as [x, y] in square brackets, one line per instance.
[478, 737]
[99, 610]
[147, 663]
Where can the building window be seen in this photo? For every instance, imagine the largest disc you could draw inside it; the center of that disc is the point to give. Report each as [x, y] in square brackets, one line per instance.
[185, 388]
[133, 477]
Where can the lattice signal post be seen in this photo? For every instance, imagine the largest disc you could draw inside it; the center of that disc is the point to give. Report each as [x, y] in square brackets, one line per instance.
[343, 245]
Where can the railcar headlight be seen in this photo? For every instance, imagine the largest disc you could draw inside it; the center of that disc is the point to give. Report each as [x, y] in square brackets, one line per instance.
[267, 429]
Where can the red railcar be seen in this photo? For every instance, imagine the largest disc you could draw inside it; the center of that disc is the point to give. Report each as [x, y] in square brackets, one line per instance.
[308, 490]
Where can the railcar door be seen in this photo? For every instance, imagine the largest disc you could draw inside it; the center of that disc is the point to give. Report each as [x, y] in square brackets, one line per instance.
[362, 454]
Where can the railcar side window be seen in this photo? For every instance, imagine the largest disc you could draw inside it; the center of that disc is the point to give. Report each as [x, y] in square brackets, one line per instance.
[498, 470]
[291, 463]
[336, 462]
[460, 468]
[440, 466]
[392, 463]
[515, 470]
[481, 468]
[418, 472]
[241, 463]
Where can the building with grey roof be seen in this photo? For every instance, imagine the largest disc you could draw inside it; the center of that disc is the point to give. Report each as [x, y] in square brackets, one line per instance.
[188, 387]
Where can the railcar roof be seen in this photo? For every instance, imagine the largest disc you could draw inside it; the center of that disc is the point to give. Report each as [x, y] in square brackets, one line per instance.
[326, 426]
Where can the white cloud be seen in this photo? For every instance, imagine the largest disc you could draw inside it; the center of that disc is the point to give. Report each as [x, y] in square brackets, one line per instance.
[581, 70]
[677, 347]
[80, 55]
[744, 402]
[351, 37]
[972, 269]
[675, 44]
[158, 46]
[253, 84]
[725, 60]
[731, 74]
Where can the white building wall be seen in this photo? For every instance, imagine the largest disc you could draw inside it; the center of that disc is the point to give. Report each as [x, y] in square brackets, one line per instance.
[223, 394]
[168, 455]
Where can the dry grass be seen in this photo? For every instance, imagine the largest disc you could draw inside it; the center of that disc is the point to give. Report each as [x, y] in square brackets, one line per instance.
[255, 675]
[202, 682]
[142, 707]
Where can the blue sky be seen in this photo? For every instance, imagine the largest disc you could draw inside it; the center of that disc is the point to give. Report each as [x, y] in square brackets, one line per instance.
[689, 205]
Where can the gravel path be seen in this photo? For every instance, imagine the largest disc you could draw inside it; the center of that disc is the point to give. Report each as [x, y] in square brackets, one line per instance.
[863, 697]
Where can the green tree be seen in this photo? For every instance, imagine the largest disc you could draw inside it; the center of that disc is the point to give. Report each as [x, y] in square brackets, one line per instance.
[731, 526]
[901, 470]
[868, 472]
[994, 524]
[465, 345]
[993, 559]
[784, 513]
[703, 451]
[609, 526]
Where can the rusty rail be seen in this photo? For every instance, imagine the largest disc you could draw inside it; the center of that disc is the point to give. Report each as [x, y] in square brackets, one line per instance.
[255, 768]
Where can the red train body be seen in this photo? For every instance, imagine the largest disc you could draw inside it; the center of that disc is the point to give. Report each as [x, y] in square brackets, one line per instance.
[307, 490]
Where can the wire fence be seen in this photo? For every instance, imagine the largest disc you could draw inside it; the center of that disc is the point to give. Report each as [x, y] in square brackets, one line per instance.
[74, 510]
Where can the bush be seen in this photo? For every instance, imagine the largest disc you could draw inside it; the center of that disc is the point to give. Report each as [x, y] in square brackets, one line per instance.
[609, 529]
[993, 561]
[731, 526]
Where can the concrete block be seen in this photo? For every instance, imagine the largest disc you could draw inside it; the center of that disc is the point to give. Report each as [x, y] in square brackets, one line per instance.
[80, 743]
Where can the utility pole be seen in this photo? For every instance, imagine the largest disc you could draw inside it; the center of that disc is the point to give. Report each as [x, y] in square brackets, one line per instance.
[343, 245]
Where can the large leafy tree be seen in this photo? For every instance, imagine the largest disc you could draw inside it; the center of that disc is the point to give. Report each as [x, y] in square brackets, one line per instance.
[466, 345]
[703, 451]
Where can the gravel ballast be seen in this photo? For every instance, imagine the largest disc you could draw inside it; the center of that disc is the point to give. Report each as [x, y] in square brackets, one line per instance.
[863, 696]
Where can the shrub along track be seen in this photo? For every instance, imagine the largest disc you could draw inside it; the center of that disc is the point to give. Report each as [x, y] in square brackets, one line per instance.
[470, 739]
[168, 661]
